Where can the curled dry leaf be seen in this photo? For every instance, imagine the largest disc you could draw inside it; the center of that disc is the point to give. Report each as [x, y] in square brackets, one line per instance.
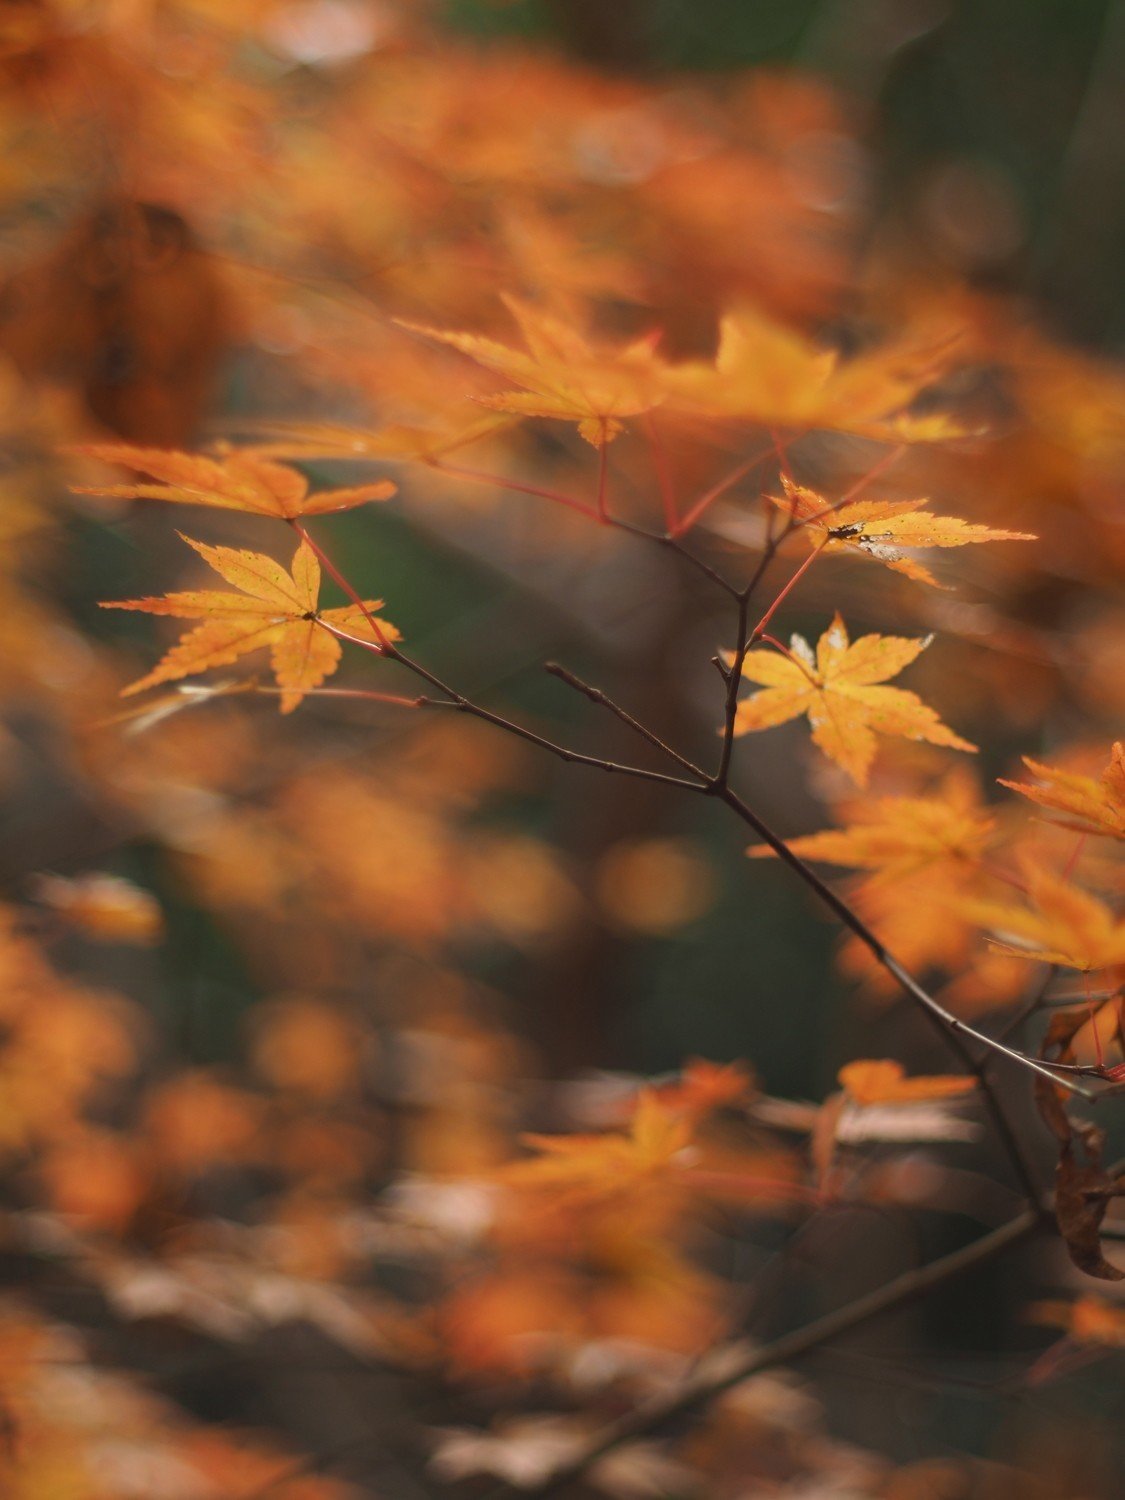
[1083, 1192]
[840, 689]
[129, 310]
[1083, 1189]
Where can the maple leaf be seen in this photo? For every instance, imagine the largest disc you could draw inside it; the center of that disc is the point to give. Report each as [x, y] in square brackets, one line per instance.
[1062, 925]
[839, 688]
[562, 375]
[310, 441]
[234, 481]
[657, 1139]
[768, 373]
[1093, 806]
[657, 1163]
[882, 528]
[274, 608]
[897, 836]
[883, 1081]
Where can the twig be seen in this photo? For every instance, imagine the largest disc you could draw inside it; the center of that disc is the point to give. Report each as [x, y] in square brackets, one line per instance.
[851, 919]
[663, 470]
[477, 476]
[700, 1392]
[694, 512]
[671, 541]
[734, 682]
[459, 703]
[596, 695]
[759, 629]
[603, 478]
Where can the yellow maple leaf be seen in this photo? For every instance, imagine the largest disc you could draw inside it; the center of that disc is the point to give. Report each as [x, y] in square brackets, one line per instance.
[884, 1081]
[563, 376]
[770, 374]
[234, 481]
[839, 689]
[1061, 924]
[275, 608]
[880, 529]
[1093, 806]
[898, 836]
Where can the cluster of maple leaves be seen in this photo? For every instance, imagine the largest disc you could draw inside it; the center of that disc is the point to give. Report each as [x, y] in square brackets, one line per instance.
[636, 332]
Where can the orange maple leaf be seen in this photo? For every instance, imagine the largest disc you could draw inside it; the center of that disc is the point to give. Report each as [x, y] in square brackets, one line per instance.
[883, 1081]
[656, 1142]
[1062, 925]
[234, 481]
[770, 374]
[275, 609]
[898, 836]
[657, 1162]
[704, 1087]
[308, 442]
[1093, 806]
[882, 528]
[563, 376]
[837, 687]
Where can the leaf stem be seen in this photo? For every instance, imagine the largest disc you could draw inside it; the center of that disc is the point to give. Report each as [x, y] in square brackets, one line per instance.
[759, 629]
[663, 468]
[704, 502]
[478, 476]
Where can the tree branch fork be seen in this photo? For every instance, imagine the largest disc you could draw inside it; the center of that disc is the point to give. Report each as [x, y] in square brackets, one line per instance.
[976, 1049]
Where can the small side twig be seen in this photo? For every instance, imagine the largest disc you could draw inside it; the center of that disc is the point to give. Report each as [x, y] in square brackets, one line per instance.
[603, 700]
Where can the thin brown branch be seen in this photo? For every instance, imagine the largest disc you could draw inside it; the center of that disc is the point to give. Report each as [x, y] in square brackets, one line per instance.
[452, 699]
[672, 543]
[852, 920]
[603, 700]
[695, 511]
[700, 1392]
[734, 682]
